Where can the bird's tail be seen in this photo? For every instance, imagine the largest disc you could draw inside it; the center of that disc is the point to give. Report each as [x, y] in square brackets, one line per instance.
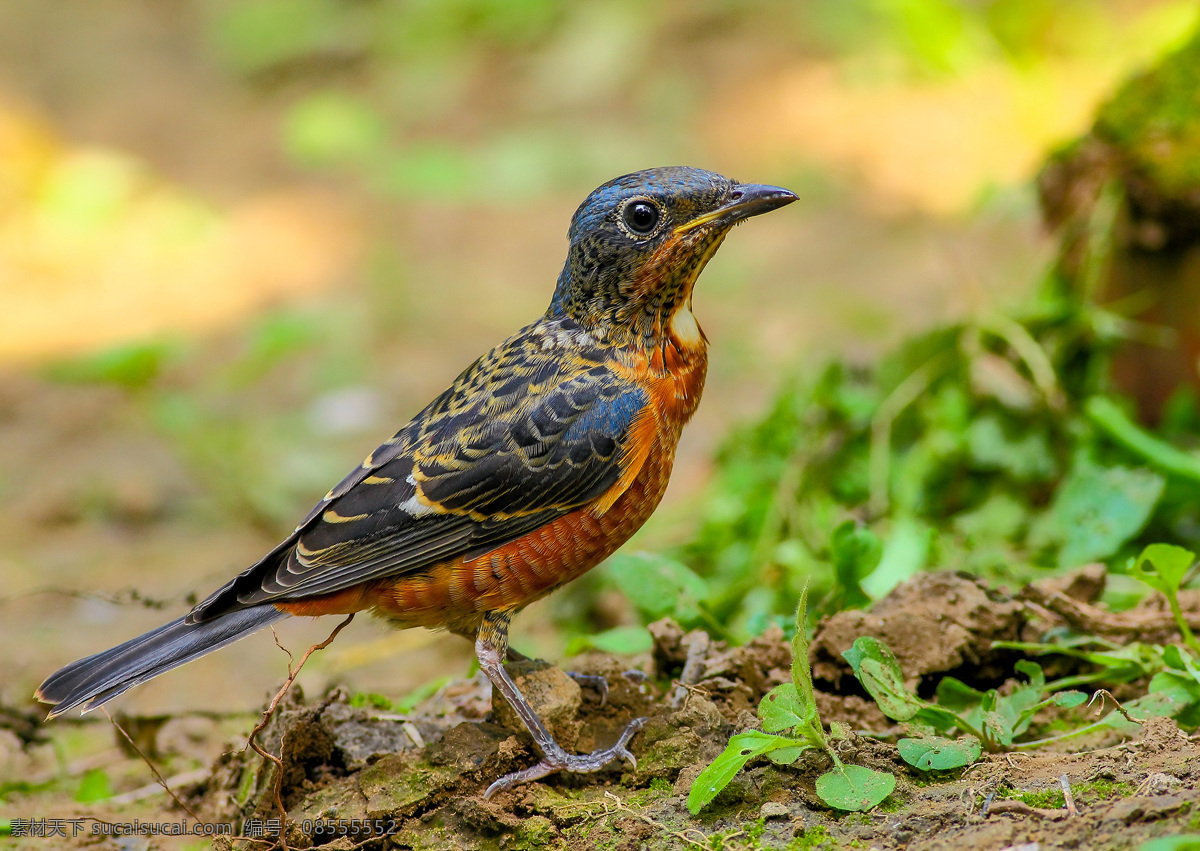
[98, 679]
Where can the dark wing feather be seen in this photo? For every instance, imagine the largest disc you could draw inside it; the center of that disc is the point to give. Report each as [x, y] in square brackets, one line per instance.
[525, 435]
[560, 450]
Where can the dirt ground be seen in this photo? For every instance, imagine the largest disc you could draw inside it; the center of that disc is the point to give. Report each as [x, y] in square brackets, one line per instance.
[355, 775]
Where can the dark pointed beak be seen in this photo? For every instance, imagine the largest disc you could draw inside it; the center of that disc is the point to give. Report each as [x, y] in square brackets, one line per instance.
[744, 200]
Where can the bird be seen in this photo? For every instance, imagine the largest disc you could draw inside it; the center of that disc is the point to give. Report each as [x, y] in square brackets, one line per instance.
[541, 459]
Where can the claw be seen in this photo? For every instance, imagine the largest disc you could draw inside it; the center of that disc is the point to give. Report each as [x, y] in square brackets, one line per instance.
[559, 760]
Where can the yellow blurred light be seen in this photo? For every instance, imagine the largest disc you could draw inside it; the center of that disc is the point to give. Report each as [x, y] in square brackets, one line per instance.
[95, 249]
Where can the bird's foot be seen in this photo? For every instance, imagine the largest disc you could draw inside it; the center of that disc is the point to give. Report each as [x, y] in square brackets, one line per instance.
[556, 759]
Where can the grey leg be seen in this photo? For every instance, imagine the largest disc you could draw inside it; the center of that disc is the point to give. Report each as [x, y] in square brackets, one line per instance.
[491, 647]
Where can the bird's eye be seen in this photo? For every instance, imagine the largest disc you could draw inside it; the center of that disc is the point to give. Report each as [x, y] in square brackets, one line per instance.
[641, 217]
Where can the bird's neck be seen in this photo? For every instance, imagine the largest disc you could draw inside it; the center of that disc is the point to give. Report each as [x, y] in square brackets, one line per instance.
[651, 332]
[647, 307]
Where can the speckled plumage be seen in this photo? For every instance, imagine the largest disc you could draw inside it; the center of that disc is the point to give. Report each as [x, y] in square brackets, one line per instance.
[541, 459]
[511, 482]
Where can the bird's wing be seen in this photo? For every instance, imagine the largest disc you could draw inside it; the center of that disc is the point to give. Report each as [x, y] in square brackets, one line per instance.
[523, 436]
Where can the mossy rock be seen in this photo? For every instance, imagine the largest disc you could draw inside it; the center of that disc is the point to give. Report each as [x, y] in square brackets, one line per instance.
[1146, 140]
[1154, 120]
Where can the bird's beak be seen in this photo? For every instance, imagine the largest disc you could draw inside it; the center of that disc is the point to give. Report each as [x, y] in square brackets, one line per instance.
[744, 200]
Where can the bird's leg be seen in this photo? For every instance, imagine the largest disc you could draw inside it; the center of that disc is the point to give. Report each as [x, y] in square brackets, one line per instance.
[596, 682]
[491, 646]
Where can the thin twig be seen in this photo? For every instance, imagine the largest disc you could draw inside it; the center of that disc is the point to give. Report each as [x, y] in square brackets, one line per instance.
[277, 786]
[121, 597]
[1105, 693]
[150, 789]
[293, 672]
[291, 658]
[1068, 797]
[1022, 808]
[146, 759]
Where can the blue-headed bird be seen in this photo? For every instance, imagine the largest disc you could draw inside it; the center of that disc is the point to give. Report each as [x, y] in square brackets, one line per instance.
[540, 460]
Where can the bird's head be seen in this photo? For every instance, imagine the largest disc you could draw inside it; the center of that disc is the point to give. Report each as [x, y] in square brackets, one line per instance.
[639, 242]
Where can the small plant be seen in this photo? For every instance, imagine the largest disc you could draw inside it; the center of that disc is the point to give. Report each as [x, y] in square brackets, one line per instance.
[989, 720]
[1164, 567]
[1173, 670]
[368, 700]
[791, 726]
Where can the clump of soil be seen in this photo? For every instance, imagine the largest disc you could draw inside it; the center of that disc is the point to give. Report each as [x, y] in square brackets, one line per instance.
[360, 777]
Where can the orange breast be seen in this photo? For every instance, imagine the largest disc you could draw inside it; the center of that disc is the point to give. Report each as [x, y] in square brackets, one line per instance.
[456, 594]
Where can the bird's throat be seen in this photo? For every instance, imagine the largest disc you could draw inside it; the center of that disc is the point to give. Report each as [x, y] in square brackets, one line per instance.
[685, 330]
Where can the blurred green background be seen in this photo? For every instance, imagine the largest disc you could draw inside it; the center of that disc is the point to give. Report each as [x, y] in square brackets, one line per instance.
[242, 241]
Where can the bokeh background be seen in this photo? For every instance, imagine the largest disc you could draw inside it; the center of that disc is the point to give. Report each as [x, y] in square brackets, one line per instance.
[242, 241]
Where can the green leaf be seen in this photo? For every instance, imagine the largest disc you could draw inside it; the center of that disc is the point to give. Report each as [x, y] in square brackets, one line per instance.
[904, 554]
[1163, 567]
[801, 672]
[1168, 566]
[1172, 657]
[659, 586]
[879, 672]
[1104, 413]
[854, 788]
[786, 756]
[1032, 671]
[955, 695]
[1069, 699]
[1001, 717]
[94, 787]
[1180, 692]
[426, 690]
[620, 640]
[1026, 458]
[1168, 698]
[939, 754]
[782, 709]
[855, 551]
[1118, 664]
[1096, 510]
[1189, 664]
[1016, 717]
[741, 749]
[1006, 717]
[1000, 518]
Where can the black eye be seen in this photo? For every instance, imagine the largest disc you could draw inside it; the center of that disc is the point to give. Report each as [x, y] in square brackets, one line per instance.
[641, 217]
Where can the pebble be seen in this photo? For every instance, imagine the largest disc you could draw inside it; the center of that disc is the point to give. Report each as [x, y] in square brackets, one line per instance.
[774, 809]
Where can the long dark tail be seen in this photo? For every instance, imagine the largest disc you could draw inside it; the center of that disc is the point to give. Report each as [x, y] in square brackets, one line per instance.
[98, 679]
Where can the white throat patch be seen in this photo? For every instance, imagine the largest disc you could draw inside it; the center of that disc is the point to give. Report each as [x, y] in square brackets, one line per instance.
[685, 328]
